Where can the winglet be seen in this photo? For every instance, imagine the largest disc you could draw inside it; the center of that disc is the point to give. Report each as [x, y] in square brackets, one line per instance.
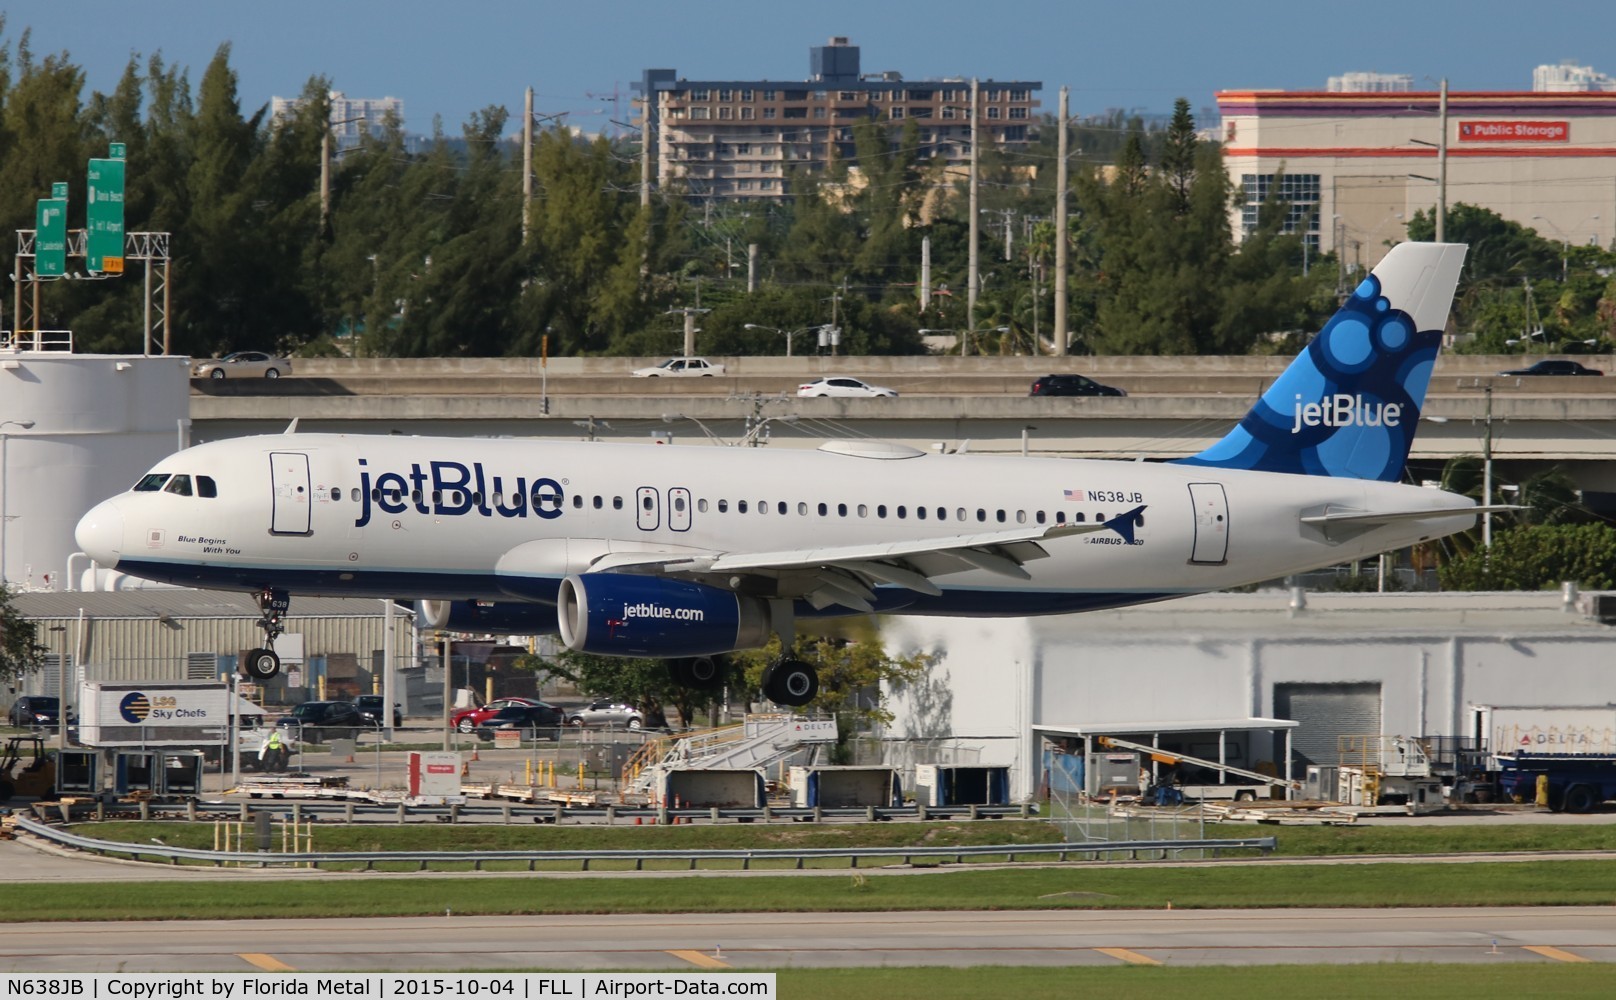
[1349, 404]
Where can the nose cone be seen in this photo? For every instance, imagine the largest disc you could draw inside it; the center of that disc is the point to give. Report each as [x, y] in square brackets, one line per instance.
[100, 533]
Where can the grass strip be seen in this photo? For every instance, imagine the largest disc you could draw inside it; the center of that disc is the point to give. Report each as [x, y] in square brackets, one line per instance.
[1538, 883]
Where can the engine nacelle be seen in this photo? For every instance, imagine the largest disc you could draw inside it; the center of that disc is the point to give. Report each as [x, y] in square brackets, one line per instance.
[621, 614]
[501, 618]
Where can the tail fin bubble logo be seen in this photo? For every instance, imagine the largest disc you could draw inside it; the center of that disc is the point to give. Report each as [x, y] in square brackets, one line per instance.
[1349, 404]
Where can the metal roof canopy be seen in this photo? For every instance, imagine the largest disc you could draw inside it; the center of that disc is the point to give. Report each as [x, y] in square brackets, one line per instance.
[1087, 729]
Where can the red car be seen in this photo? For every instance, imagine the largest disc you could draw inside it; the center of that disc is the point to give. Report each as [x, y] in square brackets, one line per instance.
[466, 720]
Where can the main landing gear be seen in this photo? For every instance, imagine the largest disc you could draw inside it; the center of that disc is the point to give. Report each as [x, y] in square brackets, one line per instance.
[790, 682]
[262, 664]
[786, 681]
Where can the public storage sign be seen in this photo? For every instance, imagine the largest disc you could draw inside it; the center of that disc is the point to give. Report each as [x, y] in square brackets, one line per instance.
[1514, 131]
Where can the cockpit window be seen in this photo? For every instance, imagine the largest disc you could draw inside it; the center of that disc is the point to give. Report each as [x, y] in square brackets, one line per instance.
[179, 484]
[151, 482]
[205, 487]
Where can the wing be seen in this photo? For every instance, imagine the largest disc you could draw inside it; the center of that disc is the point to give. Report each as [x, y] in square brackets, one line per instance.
[847, 574]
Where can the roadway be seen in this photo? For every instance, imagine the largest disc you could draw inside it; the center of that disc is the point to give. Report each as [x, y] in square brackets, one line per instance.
[1176, 406]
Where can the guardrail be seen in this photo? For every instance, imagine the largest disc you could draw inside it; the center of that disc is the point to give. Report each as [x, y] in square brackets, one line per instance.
[1092, 850]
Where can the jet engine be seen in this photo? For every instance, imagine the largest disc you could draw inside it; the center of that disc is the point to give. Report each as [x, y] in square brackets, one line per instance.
[621, 614]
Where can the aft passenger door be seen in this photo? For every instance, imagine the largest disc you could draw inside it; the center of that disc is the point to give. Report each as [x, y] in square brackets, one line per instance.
[289, 505]
[1211, 507]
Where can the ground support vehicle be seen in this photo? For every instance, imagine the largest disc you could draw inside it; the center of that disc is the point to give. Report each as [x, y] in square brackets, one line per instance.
[26, 769]
[1563, 782]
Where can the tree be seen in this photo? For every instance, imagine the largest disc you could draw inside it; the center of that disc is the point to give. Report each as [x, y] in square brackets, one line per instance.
[852, 675]
[1538, 557]
[21, 652]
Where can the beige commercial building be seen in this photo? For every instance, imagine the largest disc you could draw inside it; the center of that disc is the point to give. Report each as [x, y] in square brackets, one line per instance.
[1356, 167]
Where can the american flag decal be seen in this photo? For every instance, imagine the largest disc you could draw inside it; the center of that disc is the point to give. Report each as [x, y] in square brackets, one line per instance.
[1073, 494]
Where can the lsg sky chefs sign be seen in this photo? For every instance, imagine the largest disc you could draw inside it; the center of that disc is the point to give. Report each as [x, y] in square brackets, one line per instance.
[1514, 131]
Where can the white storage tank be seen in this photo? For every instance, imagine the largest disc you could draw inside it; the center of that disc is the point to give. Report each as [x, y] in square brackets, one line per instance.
[74, 430]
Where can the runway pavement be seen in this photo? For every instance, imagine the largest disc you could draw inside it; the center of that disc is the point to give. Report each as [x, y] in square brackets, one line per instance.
[769, 941]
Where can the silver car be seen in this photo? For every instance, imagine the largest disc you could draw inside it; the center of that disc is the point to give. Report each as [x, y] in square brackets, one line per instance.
[606, 713]
[243, 364]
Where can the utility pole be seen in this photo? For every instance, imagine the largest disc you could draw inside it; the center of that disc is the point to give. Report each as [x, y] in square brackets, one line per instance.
[647, 137]
[690, 327]
[1442, 166]
[972, 280]
[751, 267]
[1487, 472]
[527, 162]
[925, 273]
[1060, 230]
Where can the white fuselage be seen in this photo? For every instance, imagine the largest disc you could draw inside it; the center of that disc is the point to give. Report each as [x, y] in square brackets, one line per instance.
[440, 518]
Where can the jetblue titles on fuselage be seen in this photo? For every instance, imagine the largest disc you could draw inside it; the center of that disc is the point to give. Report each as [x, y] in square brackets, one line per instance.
[451, 489]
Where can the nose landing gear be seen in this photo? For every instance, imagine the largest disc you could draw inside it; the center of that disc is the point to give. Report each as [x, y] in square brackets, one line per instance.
[262, 664]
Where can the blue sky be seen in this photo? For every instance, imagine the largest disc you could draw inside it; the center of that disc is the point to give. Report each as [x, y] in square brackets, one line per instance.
[451, 59]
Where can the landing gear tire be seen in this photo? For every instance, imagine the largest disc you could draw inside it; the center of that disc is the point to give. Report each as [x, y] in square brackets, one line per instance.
[792, 683]
[262, 664]
[680, 671]
[705, 673]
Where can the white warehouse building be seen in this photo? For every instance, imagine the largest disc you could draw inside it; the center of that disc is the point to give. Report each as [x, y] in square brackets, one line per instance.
[1241, 668]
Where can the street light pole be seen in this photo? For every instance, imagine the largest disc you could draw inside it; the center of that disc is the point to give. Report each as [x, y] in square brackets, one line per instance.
[973, 281]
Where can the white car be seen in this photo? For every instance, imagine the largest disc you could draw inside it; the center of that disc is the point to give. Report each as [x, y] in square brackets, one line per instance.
[250, 364]
[841, 385]
[680, 367]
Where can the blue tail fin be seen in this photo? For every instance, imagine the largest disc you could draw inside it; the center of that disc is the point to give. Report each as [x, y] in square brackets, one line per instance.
[1349, 404]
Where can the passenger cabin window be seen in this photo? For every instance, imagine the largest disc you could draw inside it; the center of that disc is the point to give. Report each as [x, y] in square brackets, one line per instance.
[205, 487]
[151, 482]
[180, 485]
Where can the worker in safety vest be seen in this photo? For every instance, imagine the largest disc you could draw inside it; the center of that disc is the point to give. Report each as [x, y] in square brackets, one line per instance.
[272, 755]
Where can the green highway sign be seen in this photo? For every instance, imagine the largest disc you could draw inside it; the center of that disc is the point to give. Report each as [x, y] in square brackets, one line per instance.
[103, 244]
[50, 237]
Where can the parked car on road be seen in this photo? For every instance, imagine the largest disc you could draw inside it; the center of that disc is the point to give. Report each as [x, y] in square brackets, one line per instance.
[466, 720]
[370, 707]
[324, 721]
[33, 711]
[680, 367]
[841, 385]
[606, 713]
[535, 722]
[1071, 385]
[243, 364]
[1554, 366]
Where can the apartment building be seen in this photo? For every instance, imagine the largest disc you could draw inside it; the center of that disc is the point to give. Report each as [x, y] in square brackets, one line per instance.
[739, 139]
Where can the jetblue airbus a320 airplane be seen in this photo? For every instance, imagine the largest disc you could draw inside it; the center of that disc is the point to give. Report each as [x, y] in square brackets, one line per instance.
[690, 553]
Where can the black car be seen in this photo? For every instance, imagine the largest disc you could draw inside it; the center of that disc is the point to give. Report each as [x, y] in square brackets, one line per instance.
[36, 711]
[323, 721]
[1554, 366]
[1072, 385]
[535, 722]
[370, 707]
